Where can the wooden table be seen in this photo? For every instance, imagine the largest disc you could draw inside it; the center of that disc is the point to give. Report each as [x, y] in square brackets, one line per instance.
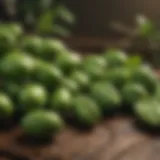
[115, 139]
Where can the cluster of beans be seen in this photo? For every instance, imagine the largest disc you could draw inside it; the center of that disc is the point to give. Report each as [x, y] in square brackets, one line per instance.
[44, 83]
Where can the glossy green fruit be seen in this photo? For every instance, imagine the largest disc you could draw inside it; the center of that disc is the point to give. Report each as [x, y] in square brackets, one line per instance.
[132, 92]
[145, 76]
[61, 100]
[148, 111]
[33, 45]
[106, 95]
[6, 107]
[68, 61]
[16, 64]
[47, 74]
[16, 29]
[51, 48]
[118, 76]
[115, 58]
[86, 111]
[41, 124]
[32, 97]
[81, 78]
[94, 66]
[71, 84]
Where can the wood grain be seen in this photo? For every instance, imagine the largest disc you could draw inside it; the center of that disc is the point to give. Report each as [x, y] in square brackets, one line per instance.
[114, 139]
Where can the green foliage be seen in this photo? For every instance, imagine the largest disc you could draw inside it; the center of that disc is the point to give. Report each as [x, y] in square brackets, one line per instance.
[143, 37]
[41, 16]
[145, 27]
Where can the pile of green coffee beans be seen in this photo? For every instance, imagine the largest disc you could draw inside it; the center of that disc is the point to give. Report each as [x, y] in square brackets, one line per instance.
[43, 82]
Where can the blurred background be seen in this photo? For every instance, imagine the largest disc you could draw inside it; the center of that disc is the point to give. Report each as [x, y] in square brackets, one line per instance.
[90, 25]
[94, 16]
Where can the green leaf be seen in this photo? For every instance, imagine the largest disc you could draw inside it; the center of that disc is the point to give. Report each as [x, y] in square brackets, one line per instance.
[65, 14]
[134, 61]
[45, 22]
[145, 27]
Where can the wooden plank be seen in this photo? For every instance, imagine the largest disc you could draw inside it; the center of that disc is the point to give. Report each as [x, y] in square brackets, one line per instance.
[113, 139]
[95, 44]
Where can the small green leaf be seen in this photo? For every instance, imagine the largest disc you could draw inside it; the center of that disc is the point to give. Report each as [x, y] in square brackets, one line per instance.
[65, 14]
[45, 22]
[145, 27]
